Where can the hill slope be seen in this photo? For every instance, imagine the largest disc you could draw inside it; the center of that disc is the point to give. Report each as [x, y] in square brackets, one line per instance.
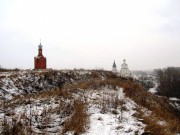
[81, 102]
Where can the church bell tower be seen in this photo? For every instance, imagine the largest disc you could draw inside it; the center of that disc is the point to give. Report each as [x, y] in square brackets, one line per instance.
[40, 60]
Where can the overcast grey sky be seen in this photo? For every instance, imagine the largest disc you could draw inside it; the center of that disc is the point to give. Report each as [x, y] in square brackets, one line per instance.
[90, 33]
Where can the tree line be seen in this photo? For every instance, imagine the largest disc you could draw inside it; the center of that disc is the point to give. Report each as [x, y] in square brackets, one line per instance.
[169, 81]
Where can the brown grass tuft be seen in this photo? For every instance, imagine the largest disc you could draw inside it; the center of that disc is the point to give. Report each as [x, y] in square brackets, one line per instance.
[79, 119]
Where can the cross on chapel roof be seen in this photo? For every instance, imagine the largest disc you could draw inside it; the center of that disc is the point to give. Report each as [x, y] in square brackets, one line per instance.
[40, 46]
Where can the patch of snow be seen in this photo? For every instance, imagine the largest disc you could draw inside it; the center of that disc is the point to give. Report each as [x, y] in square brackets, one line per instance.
[154, 89]
[161, 123]
[146, 111]
[174, 99]
[108, 123]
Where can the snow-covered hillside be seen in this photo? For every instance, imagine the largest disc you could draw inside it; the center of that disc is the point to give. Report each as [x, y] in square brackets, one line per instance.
[107, 119]
[25, 82]
[80, 102]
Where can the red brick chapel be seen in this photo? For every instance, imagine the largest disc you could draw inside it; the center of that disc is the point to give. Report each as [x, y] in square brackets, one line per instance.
[40, 60]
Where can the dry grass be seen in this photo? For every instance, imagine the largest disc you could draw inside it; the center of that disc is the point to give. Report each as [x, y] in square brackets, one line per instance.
[79, 119]
[160, 107]
[12, 128]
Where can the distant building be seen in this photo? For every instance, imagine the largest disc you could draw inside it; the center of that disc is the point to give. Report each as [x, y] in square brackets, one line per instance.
[114, 68]
[40, 60]
[125, 72]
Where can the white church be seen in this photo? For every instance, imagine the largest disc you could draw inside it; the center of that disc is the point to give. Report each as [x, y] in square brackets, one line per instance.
[124, 72]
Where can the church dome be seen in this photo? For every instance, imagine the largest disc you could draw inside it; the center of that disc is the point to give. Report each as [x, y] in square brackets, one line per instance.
[125, 72]
[124, 65]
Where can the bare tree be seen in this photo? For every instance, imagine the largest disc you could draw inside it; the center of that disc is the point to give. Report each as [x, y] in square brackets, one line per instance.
[169, 81]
